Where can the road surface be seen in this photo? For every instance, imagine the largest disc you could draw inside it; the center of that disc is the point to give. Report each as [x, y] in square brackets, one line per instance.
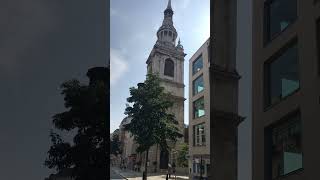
[114, 176]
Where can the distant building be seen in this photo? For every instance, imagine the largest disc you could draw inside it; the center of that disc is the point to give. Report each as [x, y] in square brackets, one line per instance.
[199, 113]
[128, 146]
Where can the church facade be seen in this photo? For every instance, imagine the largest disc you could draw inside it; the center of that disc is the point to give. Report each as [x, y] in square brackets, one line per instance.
[167, 60]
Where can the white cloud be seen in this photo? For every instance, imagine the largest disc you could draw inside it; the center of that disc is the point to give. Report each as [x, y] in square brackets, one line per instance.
[185, 4]
[179, 5]
[118, 65]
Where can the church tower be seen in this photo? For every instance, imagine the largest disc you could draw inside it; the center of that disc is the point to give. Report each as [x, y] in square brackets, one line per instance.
[167, 60]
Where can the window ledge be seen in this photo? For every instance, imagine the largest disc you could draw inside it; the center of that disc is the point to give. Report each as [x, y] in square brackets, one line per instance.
[276, 36]
[267, 108]
[196, 118]
[295, 172]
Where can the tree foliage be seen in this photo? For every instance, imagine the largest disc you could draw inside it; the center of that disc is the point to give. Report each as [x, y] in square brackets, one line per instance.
[151, 122]
[182, 160]
[86, 114]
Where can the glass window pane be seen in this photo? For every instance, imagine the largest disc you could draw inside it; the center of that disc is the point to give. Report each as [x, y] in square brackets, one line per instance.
[200, 134]
[197, 65]
[198, 168]
[198, 108]
[169, 68]
[286, 147]
[282, 76]
[198, 85]
[279, 15]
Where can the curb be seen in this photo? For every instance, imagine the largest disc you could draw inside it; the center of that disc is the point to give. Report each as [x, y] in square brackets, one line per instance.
[123, 176]
[119, 174]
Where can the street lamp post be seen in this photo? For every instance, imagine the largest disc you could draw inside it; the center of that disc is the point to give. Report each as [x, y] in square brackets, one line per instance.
[201, 168]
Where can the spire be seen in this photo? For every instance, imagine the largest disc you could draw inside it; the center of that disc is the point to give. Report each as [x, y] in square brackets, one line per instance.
[169, 5]
[167, 33]
[168, 11]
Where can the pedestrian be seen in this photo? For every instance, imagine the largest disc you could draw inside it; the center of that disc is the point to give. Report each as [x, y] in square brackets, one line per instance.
[169, 169]
[174, 169]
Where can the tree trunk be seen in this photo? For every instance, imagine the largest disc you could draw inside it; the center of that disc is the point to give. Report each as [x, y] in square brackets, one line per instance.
[155, 169]
[146, 166]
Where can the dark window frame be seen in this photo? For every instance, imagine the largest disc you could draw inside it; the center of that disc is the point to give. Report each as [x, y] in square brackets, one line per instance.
[268, 144]
[267, 37]
[267, 104]
[194, 109]
[194, 135]
[169, 68]
[199, 57]
[193, 83]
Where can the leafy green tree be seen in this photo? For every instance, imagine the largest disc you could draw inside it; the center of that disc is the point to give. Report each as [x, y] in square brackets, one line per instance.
[86, 114]
[115, 143]
[151, 122]
[182, 160]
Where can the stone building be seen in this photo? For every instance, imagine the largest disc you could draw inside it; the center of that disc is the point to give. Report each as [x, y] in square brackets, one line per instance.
[128, 145]
[199, 113]
[167, 60]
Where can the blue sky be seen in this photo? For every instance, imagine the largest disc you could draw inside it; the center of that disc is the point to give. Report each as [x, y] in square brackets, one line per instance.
[133, 33]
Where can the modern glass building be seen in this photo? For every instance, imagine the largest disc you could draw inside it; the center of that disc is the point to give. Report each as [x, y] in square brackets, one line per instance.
[199, 116]
[286, 89]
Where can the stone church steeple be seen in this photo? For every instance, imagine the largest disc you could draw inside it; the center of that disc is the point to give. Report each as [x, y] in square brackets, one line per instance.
[167, 34]
[167, 60]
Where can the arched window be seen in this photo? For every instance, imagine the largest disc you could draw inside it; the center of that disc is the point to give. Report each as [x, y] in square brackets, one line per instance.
[169, 68]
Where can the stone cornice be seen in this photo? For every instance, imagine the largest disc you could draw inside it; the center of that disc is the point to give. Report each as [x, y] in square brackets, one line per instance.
[178, 97]
[168, 51]
[180, 85]
[222, 73]
[200, 155]
[231, 117]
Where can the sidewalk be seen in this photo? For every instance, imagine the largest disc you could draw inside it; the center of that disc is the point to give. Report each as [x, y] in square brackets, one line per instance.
[132, 175]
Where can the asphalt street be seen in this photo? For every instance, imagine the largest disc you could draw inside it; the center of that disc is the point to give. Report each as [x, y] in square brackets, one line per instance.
[114, 175]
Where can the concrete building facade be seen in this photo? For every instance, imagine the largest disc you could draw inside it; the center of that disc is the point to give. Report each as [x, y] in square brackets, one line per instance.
[286, 88]
[199, 113]
[224, 89]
